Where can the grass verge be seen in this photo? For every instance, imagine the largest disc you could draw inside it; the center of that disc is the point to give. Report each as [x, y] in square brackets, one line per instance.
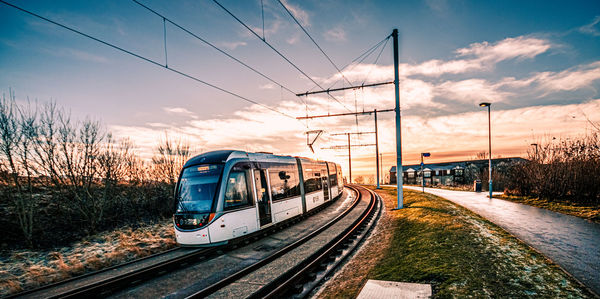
[27, 269]
[461, 254]
[590, 212]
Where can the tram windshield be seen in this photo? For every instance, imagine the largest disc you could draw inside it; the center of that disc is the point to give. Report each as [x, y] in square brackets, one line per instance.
[197, 188]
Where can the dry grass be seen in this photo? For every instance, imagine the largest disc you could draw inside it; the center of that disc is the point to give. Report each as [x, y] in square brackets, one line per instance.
[461, 254]
[24, 269]
[350, 279]
[589, 211]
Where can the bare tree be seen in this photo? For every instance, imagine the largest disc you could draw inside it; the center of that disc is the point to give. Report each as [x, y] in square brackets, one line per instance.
[46, 149]
[25, 202]
[10, 136]
[169, 159]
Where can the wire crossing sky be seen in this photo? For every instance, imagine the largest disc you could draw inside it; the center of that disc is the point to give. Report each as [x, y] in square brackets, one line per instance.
[537, 62]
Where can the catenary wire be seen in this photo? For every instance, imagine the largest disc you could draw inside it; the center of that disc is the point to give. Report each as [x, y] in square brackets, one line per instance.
[375, 63]
[214, 47]
[362, 57]
[314, 42]
[279, 53]
[146, 59]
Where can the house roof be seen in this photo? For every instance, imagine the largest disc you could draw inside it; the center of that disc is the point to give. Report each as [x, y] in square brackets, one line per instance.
[458, 164]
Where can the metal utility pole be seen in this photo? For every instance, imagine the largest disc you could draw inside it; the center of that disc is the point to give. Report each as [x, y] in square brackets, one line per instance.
[376, 148]
[358, 113]
[381, 163]
[349, 146]
[399, 172]
[349, 158]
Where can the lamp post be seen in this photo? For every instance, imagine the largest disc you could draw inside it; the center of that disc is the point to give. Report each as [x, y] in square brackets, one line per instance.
[488, 105]
[422, 173]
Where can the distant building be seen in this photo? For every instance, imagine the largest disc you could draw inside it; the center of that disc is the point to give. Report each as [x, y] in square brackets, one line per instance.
[449, 173]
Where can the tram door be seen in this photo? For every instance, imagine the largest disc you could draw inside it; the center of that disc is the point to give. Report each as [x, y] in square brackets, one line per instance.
[325, 180]
[262, 197]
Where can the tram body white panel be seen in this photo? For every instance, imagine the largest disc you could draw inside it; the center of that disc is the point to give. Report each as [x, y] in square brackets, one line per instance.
[233, 224]
[287, 208]
[314, 199]
[334, 192]
[198, 237]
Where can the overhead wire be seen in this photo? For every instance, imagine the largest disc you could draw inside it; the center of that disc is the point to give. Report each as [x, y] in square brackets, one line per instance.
[279, 53]
[375, 63]
[213, 46]
[362, 57]
[314, 42]
[147, 59]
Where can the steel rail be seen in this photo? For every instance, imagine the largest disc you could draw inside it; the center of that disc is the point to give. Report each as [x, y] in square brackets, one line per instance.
[90, 274]
[293, 278]
[100, 286]
[243, 272]
[97, 288]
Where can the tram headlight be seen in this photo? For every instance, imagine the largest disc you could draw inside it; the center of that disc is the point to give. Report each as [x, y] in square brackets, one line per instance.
[193, 221]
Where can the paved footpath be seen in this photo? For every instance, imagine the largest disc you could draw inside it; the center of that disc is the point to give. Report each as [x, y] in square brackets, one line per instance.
[571, 242]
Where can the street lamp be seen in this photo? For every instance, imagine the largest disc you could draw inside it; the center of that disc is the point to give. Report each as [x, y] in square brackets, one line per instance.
[488, 105]
[423, 174]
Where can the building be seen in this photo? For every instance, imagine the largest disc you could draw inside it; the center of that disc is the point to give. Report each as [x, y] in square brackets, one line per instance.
[449, 173]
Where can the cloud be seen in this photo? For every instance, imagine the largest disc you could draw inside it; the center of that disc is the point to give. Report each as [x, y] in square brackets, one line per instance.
[74, 53]
[591, 28]
[267, 86]
[477, 57]
[293, 39]
[437, 5]
[471, 91]
[232, 45]
[180, 111]
[452, 137]
[336, 34]
[300, 14]
[509, 48]
[86, 56]
[571, 79]
[271, 28]
[481, 56]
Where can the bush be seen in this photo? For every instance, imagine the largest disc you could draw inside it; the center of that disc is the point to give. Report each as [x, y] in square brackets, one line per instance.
[560, 170]
[61, 179]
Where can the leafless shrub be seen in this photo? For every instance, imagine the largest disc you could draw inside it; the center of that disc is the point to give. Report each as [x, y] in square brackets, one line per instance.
[566, 169]
[75, 179]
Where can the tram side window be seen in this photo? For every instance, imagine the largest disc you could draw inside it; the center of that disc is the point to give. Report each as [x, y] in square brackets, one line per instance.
[333, 179]
[313, 183]
[284, 184]
[236, 194]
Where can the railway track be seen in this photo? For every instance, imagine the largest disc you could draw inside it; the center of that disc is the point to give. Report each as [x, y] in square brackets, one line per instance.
[301, 279]
[106, 282]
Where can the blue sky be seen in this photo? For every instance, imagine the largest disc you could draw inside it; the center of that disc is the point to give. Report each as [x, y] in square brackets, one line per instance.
[538, 62]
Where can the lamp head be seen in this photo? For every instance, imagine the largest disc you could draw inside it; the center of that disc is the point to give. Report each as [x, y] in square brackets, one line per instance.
[484, 104]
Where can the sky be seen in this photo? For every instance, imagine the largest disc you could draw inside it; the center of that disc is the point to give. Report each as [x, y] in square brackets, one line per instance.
[537, 62]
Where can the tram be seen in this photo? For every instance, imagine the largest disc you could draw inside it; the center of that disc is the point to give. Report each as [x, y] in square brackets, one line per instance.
[227, 194]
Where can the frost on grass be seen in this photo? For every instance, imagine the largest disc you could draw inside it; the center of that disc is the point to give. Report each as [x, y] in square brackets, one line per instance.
[24, 269]
[532, 273]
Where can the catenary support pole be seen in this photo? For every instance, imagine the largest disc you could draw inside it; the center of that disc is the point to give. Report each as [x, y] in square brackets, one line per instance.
[349, 159]
[490, 147]
[399, 171]
[376, 149]
[381, 163]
